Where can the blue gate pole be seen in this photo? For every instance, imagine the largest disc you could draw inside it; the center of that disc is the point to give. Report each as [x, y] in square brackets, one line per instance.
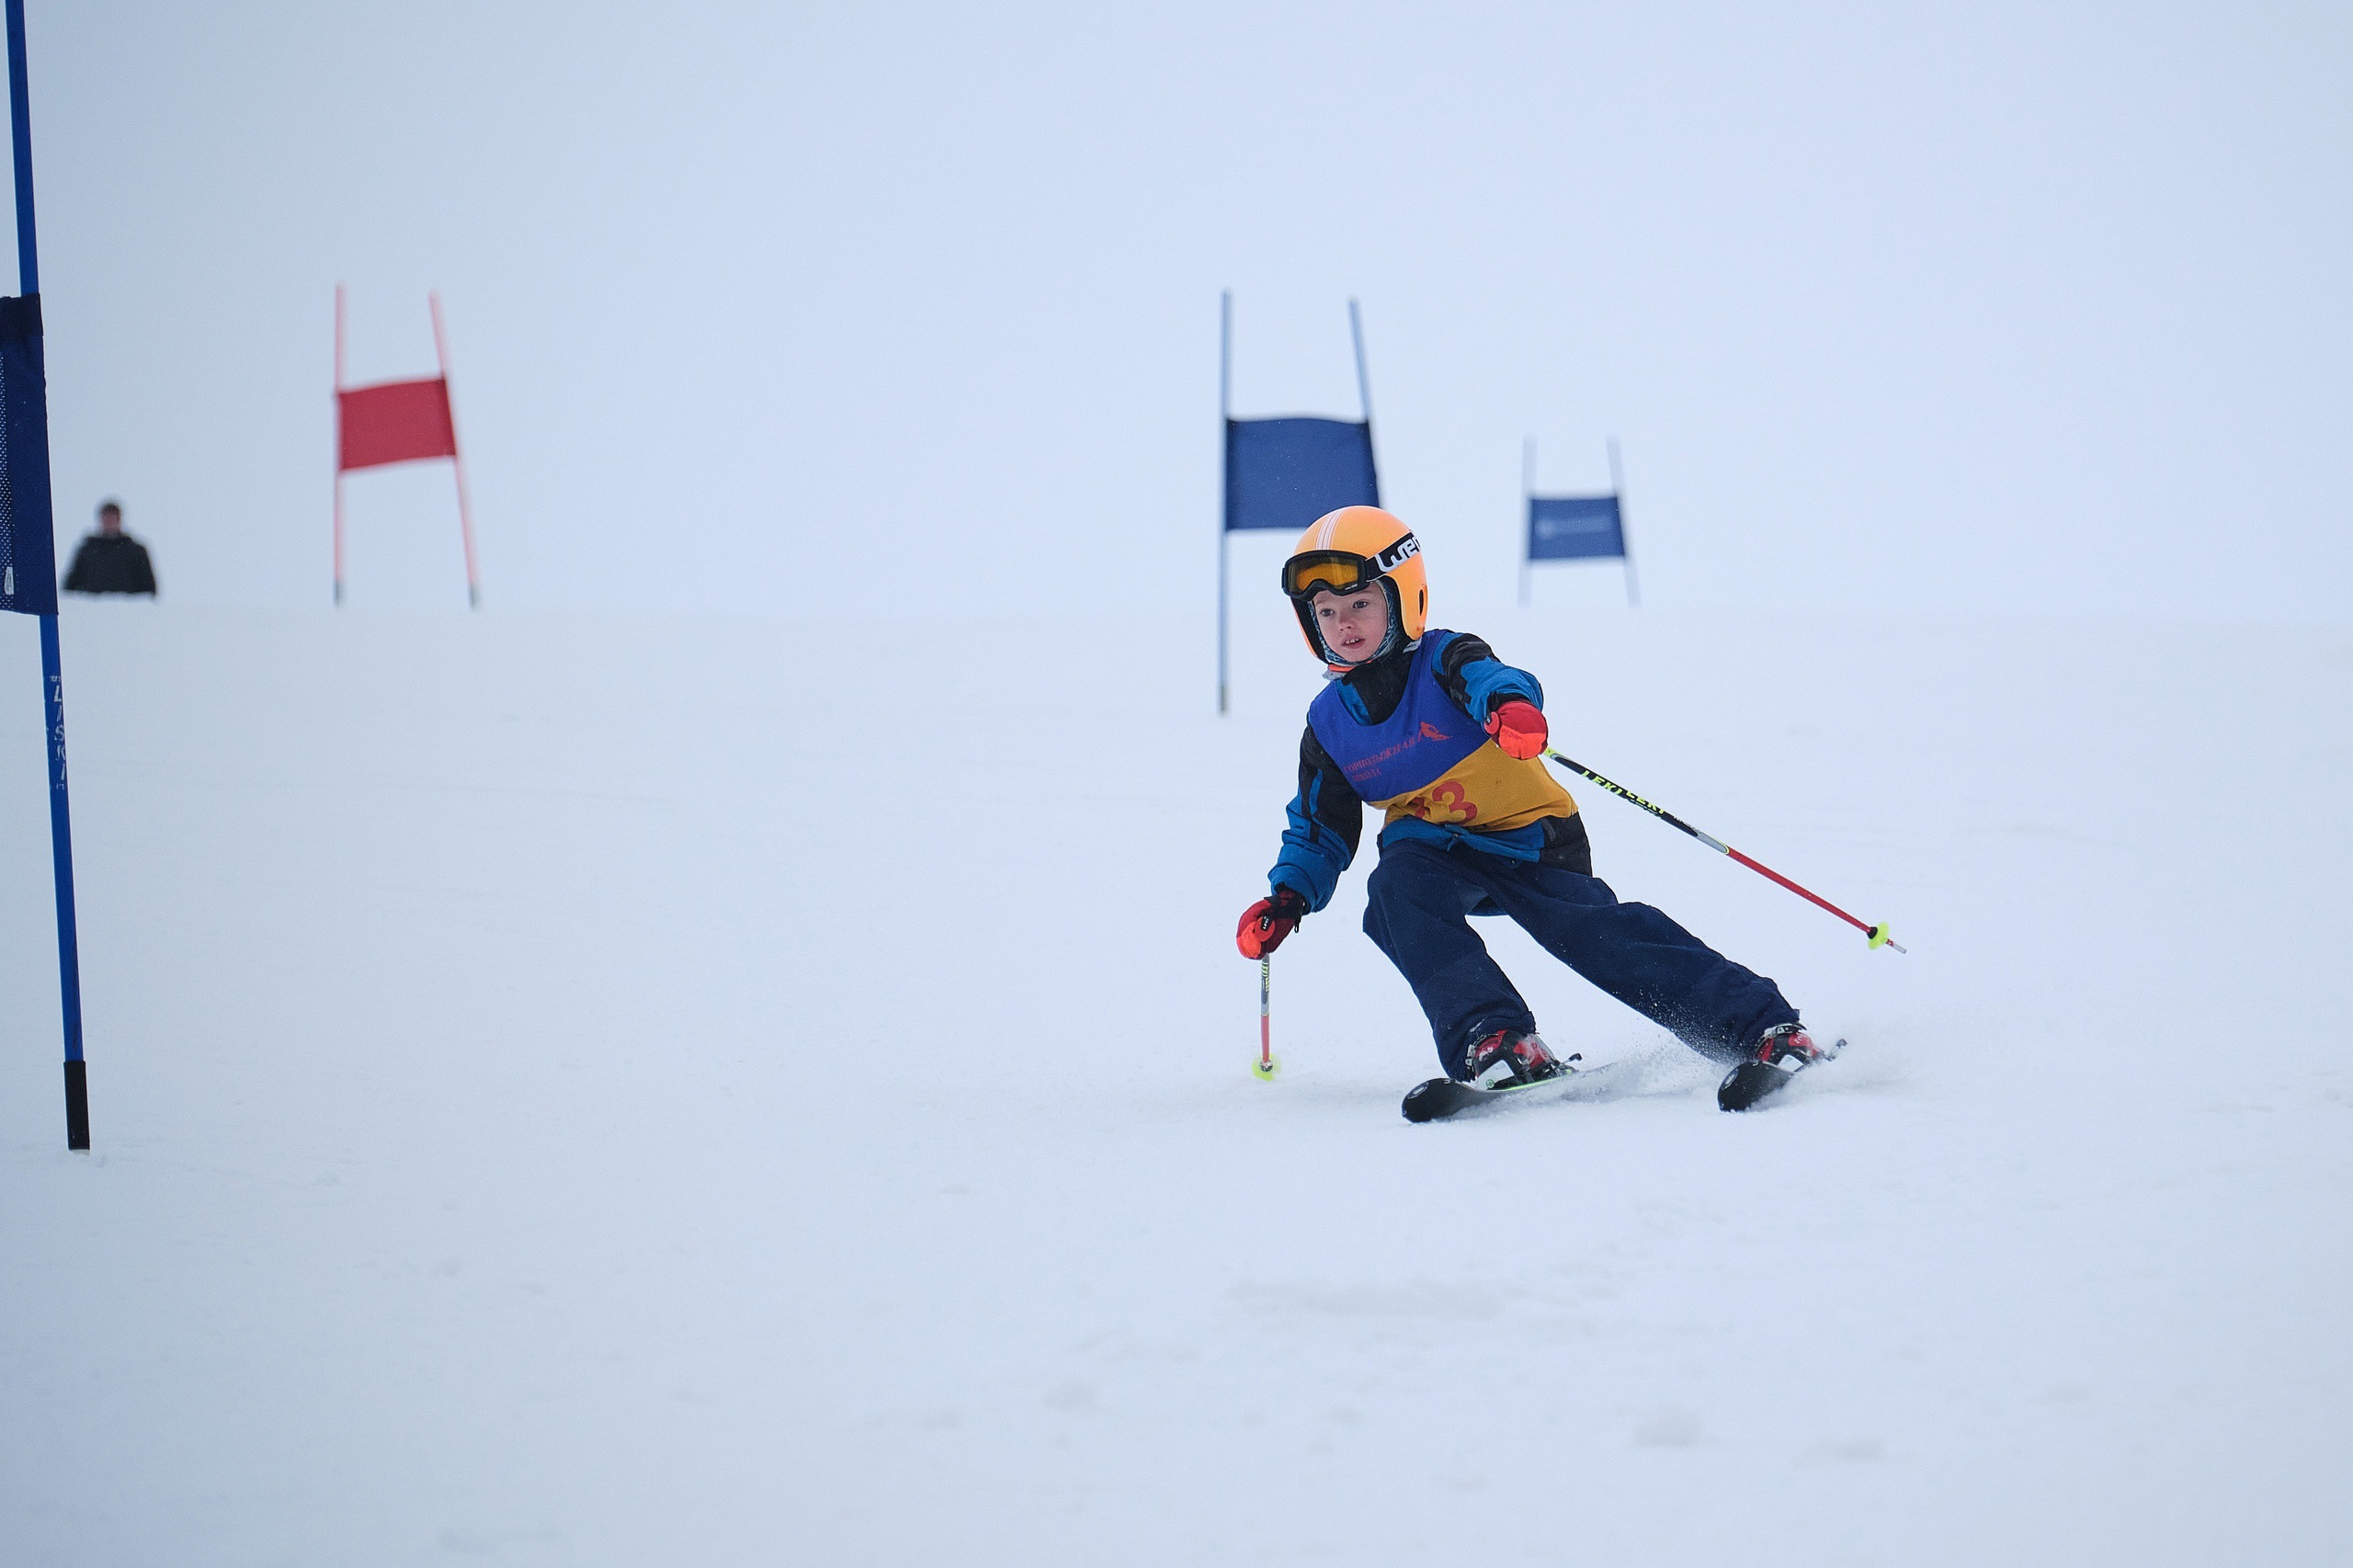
[1527, 511]
[1364, 395]
[61, 848]
[1226, 468]
[1625, 544]
[52, 678]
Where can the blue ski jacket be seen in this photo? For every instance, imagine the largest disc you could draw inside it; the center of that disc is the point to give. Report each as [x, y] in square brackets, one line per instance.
[1407, 734]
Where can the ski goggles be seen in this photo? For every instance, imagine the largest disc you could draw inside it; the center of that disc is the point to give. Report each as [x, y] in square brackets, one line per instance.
[1342, 570]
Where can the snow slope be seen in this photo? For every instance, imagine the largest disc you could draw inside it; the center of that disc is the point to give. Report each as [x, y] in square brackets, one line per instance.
[603, 1091]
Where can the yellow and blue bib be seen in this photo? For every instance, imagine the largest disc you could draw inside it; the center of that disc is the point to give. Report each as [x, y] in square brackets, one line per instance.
[1435, 774]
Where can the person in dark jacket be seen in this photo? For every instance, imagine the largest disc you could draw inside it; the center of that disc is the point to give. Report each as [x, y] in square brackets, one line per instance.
[1430, 728]
[110, 560]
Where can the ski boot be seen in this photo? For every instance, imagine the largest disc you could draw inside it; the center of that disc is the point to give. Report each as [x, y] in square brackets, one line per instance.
[1508, 1058]
[1784, 1053]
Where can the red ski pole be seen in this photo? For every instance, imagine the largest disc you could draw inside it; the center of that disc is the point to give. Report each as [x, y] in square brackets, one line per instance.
[1268, 1063]
[1878, 933]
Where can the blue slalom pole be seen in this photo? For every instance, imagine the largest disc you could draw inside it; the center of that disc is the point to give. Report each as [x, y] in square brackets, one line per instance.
[61, 849]
[1225, 471]
[1364, 393]
[20, 137]
[52, 677]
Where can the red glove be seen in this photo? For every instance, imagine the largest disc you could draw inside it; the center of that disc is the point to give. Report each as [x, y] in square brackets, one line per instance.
[1520, 729]
[1266, 923]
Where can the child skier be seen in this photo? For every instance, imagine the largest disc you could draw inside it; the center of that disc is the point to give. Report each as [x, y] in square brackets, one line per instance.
[1447, 742]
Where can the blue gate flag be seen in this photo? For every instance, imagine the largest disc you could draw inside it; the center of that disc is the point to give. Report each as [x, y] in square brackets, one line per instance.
[1285, 473]
[28, 548]
[1574, 527]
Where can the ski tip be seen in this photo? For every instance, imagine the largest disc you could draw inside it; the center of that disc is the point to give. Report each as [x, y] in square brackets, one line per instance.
[1748, 1086]
[1428, 1101]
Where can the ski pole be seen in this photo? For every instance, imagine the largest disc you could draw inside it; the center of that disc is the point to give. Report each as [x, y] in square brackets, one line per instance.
[1268, 1063]
[1878, 933]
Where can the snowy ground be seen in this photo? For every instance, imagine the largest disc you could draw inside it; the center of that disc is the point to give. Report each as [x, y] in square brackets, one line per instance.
[576, 1091]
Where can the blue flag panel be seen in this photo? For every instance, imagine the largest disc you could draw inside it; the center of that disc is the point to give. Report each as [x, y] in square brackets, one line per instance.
[1574, 527]
[28, 552]
[1285, 473]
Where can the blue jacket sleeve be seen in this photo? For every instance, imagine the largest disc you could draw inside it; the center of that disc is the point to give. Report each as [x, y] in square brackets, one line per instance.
[1470, 673]
[1326, 819]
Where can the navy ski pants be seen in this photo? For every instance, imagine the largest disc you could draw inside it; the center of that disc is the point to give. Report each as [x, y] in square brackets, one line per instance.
[1421, 894]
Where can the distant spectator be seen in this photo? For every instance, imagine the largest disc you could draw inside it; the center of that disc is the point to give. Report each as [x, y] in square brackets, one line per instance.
[110, 560]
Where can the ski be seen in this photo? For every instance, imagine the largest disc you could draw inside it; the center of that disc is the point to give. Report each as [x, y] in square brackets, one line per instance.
[1748, 1086]
[1442, 1097]
[1753, 1084]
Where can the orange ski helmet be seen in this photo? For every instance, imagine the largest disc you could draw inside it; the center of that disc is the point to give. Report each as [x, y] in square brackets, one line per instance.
[1346, 549]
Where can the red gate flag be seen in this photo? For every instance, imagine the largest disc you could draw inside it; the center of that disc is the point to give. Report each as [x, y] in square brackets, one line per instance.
[394, 422]
[398, 422]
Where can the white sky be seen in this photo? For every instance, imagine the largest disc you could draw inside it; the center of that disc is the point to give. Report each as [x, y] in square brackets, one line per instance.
[752, 307]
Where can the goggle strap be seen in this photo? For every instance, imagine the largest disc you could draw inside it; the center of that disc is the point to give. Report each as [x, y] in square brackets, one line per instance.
[1297, 581]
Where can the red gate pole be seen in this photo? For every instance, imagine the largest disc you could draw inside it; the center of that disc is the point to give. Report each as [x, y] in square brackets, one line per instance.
[338, 445]
[457, 460]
